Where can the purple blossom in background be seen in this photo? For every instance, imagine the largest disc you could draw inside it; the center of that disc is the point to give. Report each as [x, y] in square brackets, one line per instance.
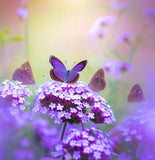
[25, 142]
[126, 37]
[22, 13]
[105, 20]
[97, 29]
[124, 66]
[48, 135]
[120, 7]
[12, 96]
[73, 103]
[143, 152]
[8, 126]
[135, 136]
[23, 154]
[48, 158]
[149, 12]
[88, 144]
[124, 157]
[115, 69]
[111, 67]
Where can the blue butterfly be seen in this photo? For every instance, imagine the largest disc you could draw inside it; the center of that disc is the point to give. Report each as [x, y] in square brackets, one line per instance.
[61, 74]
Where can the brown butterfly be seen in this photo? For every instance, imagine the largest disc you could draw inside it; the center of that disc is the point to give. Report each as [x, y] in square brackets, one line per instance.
[136, 94]
[97, 83]
[24, 74]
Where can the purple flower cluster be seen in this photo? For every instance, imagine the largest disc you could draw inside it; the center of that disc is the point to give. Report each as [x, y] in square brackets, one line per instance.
[88, 144]
[126, 37]
[115, 68]
[149, 12]
[48, 135]
[135, 136]
[97, 29]
[22, 13]
[73, 103]
[119, 6]
[12, 95]
[23, 154]
[10, 130]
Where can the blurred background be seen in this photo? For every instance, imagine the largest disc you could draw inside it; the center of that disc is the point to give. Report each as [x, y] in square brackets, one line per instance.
[62, 29]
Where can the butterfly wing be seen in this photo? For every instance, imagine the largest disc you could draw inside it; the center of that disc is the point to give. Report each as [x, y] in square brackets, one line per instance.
[97, 83]
[136, 94]
[56, 75]
[59, 71]
[24, 74]
[56, 63]
[73, 75]
[80, 66]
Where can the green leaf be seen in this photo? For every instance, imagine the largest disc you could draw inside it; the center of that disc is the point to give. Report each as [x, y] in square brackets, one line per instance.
[15, 38]
[4, 34]
[5, 37]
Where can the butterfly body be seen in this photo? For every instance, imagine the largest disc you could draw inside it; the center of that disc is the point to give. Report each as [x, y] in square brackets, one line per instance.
[67, 76]
[61, 74]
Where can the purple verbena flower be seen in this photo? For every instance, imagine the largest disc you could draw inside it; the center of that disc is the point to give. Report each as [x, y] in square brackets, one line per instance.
[22, 13]
[88, 144]
[12, 95]
[73, 103]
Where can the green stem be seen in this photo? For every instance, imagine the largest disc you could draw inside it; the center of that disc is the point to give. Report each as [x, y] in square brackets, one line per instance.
[133, 51]
[2, 62]
[130, 59]
[26, 38]
[113, 88]
[62, 135]
[63, 131]
[82, 126]
[25, 21]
